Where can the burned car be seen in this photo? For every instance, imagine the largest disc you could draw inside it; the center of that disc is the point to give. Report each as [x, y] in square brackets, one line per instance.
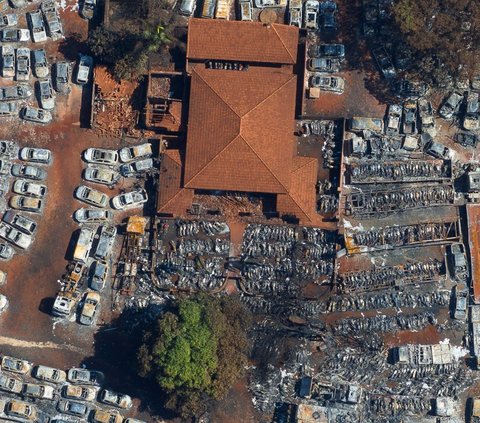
[8, 61]
[327, 82]
[384, 62]
[451, 105]
[15, 92]
[410, 117]
[35, 20]
[14, 35]
[46, 97]
[323, 64]
[393, 119]
[327, 50]
[36, 115]
[61, 77]
[466, 139]
[23, 64]
[471, 118]
[40, 63]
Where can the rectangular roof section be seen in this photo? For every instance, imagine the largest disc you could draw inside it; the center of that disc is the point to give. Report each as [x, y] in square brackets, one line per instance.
[242, 41]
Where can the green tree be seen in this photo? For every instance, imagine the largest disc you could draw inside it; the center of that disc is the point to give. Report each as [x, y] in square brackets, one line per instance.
[444, 36]
[196, 351]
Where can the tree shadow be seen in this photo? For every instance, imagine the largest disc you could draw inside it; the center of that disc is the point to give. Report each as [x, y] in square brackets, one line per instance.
[116, 346]
[72, 46]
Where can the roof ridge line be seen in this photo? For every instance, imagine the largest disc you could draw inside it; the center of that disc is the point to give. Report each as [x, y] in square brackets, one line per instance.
[268, 167]
[298, 205]
[294, 59]
[180, 191]
[214, 157]
[233, 139]
[272, 93]
[218, 95]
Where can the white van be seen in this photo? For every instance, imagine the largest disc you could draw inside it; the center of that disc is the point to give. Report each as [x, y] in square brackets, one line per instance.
[187, 7]
[84, 244]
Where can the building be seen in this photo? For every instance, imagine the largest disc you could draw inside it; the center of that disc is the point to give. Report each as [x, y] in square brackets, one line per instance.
[473, 224]
[241, 119]
[422, 355]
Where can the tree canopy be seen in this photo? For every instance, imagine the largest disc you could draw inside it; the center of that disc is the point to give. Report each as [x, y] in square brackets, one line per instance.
[127, 50]
[196, 351]
[444, 36]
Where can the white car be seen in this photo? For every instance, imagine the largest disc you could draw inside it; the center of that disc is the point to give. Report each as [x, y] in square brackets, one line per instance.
[15, 365]
[84, 215]
[128, 154]
[8, 108]
[49, 374]
[327, 82]
[38, 155]
[116, 399]
[101, 156]
[129, 200]
[101, 175]
[91, 196]
[10, 234]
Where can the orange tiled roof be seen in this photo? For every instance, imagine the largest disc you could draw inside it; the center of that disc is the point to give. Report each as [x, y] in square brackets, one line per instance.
[242, 41]
[171, 197]
[240, 130]
[301, 199]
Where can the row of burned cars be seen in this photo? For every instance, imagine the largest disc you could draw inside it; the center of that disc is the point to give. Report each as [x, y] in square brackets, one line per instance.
[313, 15]
[17, 227]
[18, 62]
[94, 242]
[323, 61]
[45, 394]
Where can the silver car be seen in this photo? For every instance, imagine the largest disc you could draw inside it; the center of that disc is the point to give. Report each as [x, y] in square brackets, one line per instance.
[87, 9]
[9, 19]
[451, 105]
[46, 97]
